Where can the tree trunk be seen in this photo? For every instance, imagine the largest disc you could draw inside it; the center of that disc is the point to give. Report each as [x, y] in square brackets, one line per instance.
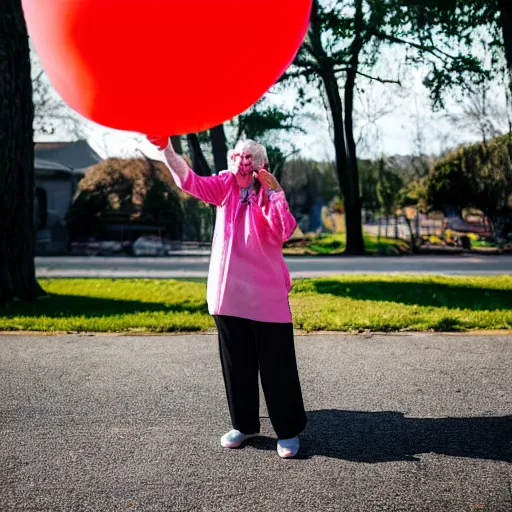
[176, 144]
[346, 168]
[353, 221]
[199, 163]
[355, 243]
[411, 234]
[336, 107]
[219, 148]
[17, 182]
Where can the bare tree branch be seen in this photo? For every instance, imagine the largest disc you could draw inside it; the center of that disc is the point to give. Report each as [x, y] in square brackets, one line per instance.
[304, 73]
[51, 114]
[436, 52]
[376, 78]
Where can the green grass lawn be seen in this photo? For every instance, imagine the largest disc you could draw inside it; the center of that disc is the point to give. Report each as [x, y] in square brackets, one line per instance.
[348, 303]
[334, 243]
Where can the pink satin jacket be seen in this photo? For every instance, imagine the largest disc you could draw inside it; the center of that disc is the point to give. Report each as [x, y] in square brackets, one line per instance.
[248, 277]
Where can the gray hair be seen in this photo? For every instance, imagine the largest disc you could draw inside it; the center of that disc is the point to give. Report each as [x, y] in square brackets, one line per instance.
[258, 152]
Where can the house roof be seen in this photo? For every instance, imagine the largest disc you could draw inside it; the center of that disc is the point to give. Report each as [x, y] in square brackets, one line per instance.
[45, 166]
[74, 155]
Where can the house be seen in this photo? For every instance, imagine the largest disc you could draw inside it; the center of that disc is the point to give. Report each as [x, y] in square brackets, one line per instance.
[59, 166]
[75, 155]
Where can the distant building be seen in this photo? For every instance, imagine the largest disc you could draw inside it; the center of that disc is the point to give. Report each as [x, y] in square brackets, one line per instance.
[59, 166]
[75, 155]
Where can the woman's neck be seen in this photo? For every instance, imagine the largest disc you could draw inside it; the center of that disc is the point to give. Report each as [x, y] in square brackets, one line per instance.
[246, 184]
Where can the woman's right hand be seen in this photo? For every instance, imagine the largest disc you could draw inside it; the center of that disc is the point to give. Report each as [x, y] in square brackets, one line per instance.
[160, 141]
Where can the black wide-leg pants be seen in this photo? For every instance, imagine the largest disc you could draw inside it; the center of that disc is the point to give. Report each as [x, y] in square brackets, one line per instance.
[247, 346]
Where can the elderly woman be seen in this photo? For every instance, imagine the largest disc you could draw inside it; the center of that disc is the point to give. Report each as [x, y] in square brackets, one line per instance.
[247, 291]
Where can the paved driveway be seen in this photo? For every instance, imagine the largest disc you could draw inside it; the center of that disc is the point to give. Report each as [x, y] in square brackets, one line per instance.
[413, 422]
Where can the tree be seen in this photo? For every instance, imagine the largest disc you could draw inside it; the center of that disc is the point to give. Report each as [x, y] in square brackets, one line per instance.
[389, 185]
[17, 227]
[408, 197]
[479, 176]
[505, 22]
[480, 113]
[177, 144]
[459, 19]
[318, 60]
[216, 139]
[369, 178]
[343, 44]
[134, 191]
[199, 163]
[219, 148]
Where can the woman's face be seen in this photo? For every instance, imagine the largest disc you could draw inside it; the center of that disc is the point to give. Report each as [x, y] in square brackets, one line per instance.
[245, 160]
[244, 168]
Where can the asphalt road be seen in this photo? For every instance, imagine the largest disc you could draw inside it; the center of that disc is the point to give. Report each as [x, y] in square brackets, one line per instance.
[414, 422]
[197, 266]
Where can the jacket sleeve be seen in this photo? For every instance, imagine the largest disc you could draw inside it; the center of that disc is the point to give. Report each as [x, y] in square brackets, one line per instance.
[281, 222]
[210, 189]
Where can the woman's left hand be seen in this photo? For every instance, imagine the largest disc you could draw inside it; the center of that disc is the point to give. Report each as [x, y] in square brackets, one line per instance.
[267, 180]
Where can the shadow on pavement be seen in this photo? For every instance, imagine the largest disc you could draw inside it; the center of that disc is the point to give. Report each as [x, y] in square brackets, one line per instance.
[390, 436]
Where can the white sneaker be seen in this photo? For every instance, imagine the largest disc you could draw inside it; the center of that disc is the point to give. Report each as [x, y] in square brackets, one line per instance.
[287, 448]
[234, 438]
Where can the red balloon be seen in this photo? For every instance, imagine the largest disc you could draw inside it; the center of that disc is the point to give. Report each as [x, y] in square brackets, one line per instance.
[165, 66]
